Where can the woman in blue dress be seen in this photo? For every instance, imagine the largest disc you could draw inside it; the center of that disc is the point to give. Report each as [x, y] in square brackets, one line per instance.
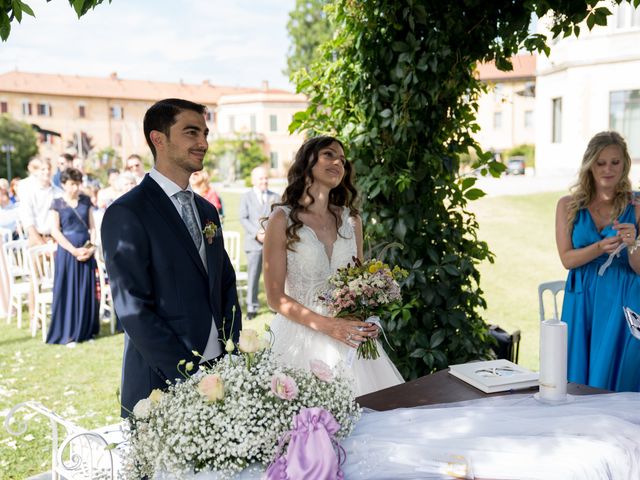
[74, 316]
[597, 218]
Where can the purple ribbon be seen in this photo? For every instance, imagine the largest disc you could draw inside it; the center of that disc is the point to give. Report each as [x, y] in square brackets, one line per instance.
[313, 451]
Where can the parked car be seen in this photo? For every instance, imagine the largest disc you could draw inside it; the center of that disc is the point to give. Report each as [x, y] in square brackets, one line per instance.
[515, 166]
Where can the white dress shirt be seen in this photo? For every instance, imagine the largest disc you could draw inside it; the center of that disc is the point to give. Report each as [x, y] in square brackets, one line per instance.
[170, 188]
[35, 208]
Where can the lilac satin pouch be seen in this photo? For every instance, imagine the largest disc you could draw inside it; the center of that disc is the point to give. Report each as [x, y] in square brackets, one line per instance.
[311, 453]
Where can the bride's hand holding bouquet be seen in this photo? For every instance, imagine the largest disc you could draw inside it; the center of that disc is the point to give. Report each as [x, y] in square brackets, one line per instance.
[364, 290]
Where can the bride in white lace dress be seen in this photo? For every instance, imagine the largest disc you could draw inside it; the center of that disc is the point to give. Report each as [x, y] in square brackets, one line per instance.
[315, 231]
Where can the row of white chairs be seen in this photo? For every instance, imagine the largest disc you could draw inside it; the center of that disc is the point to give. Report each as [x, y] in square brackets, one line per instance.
[30, 268]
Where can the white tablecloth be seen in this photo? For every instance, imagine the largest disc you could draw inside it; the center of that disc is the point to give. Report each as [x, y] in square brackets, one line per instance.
[509, 437]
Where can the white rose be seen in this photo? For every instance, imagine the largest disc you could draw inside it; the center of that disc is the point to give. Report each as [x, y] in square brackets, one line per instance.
[249, 341]
[142, 408]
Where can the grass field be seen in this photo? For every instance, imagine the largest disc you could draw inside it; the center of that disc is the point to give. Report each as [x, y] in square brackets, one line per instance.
[80, 383]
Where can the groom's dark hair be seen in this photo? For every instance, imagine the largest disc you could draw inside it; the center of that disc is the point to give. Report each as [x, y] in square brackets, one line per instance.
[162, 115]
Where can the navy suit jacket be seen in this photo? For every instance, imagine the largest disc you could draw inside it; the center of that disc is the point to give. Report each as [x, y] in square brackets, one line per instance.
[162, 294]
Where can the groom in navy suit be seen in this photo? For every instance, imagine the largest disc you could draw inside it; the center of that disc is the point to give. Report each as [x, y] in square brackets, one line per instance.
[172, 282]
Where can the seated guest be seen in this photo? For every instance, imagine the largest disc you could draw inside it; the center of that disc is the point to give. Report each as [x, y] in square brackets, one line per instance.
[108, 194]
[64, 161]
[35, 213]
[200, 184]
[8, 211]
[74, 312]
[598, 218]
[135, 167]
[126, 181]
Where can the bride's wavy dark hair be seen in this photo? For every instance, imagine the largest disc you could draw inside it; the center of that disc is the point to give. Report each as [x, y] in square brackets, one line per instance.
[300, 177]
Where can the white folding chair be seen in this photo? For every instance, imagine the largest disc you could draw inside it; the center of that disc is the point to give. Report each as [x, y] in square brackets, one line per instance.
[6, 234]
[555, 288]
[106, 301]
[42, 265]
[15, 252]
[232, 246]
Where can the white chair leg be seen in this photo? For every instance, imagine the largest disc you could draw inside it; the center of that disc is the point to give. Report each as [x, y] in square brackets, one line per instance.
[44, 322]
[20, 310]
[34, 320]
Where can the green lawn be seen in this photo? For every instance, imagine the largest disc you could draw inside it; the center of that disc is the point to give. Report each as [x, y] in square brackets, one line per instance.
[520, 230]
[80, 383]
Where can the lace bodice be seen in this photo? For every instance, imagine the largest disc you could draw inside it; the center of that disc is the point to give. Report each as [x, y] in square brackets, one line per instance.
[309, 266]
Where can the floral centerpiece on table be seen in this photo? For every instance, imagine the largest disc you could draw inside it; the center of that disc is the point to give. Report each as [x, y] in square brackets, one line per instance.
[364, 290]
[231, 415]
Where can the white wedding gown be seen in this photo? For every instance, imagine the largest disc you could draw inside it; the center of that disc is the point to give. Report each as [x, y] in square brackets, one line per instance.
[308, 268]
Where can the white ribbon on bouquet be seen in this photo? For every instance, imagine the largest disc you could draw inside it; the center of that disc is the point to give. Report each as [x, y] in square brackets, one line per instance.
[351, 355]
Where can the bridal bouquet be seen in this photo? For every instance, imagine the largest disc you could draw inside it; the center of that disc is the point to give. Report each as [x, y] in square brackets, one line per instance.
[230, 416]
[365, 290]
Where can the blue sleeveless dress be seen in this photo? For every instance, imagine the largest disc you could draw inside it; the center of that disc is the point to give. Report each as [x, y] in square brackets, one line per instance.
[602, 352]
[74, 313]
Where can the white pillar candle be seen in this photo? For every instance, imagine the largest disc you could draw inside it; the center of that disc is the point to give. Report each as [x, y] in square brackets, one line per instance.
[553, 360]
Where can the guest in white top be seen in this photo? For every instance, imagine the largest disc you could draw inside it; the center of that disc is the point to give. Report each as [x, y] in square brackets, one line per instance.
[35, 208]
[25, 186]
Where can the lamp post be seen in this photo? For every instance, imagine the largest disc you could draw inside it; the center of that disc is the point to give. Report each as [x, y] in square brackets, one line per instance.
[8, 149]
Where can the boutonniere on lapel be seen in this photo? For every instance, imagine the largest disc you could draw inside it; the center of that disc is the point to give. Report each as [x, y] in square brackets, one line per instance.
[209, 231]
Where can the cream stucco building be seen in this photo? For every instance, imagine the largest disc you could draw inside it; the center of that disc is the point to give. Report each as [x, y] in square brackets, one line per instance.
[110, 111]
[588, 84]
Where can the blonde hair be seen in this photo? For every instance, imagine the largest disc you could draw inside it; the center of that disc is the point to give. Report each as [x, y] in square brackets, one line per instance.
[584, 190]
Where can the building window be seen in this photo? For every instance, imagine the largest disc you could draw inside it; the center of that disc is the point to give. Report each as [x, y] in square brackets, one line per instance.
[44, 110]
[117, 140]
[232, 123]
[497, 120]
[624, 117]
[273, 123]
[273, 160]
[4, 107]
[26, 108]
[117, 112]
[556, 120]
[528, 119]
[498, 93]
[252, 122]
[82, 111]
[46, 138]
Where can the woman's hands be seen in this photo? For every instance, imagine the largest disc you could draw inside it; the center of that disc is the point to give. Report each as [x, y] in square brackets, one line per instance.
[608, 244]
[626, 232]
[350, 330]
[83, 254]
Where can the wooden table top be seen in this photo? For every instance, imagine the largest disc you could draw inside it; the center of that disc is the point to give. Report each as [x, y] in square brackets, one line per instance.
[441, 387]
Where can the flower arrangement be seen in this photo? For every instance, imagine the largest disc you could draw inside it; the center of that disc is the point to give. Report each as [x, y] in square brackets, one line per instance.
[229, 416]
[365, 290]
[209, 231]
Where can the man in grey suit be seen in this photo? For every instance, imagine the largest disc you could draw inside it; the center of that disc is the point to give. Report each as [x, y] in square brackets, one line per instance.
[255, 205]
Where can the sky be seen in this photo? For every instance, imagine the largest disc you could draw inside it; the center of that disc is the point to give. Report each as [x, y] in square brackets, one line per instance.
[231, 43]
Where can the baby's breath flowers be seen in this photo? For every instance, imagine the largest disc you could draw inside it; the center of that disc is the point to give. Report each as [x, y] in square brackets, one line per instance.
[231, 415]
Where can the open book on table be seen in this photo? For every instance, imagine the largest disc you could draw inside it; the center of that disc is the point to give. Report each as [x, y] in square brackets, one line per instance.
[633, 321]
[495, 375]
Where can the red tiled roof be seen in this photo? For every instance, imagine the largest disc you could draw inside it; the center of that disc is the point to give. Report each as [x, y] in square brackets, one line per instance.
[117, 88]
[524, 66]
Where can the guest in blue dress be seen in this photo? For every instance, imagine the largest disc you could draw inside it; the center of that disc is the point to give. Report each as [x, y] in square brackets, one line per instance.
[599, 218]
[74, 316]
